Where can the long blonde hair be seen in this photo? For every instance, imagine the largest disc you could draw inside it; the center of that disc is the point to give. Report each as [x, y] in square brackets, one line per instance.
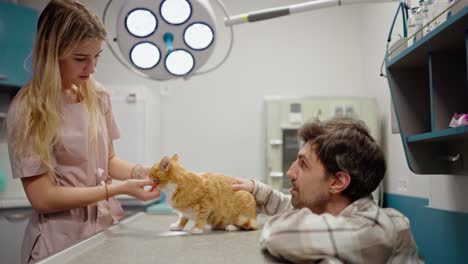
[61, 26]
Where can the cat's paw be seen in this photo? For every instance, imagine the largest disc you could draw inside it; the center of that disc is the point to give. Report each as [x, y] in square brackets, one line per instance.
[175, 227]
[231, 228]
[196, 231]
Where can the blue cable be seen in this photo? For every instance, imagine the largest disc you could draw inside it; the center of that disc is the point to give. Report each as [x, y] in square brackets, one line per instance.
[404, 15]
[393, 24]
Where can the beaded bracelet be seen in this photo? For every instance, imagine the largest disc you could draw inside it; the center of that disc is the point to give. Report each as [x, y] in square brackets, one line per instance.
[107, 191]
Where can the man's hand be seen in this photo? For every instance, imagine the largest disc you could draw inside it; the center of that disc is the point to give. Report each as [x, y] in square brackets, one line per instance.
[242, 184]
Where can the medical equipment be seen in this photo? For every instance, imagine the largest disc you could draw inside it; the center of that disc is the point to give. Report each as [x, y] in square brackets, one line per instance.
[167, 39]
[422, 20]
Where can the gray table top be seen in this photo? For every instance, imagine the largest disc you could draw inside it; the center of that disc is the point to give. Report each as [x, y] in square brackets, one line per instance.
[145, 238]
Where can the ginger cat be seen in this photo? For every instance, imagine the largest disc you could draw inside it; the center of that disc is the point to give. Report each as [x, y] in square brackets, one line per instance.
[205, 199]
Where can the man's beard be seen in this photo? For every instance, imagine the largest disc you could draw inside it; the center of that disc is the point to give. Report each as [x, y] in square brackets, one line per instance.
[317, 206]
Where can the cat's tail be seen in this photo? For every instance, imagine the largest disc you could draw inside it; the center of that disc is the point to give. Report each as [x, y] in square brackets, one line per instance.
[248, 223]
[248, 218]
[253, 224]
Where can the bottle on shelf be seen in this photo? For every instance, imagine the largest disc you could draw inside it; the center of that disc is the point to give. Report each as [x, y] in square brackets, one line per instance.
[425, 7]
[441, 11]
[414, 25]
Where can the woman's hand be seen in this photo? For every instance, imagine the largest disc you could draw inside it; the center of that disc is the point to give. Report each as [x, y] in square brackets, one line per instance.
[136, 188]
[242, 184]
[145, 175]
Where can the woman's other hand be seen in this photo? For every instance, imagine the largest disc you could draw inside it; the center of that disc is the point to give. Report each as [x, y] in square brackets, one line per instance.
[136, 188]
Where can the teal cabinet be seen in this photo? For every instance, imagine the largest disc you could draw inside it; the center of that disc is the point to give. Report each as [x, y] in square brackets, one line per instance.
[17, 32]
[429, 84]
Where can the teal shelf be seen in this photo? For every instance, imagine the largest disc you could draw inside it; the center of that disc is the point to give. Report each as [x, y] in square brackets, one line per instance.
[160, 208]
[445, 134]
[428, 84]
[17, 33]
[449, 35]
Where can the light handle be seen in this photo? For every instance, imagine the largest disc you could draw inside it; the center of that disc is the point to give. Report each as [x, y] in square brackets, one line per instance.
[292, 9]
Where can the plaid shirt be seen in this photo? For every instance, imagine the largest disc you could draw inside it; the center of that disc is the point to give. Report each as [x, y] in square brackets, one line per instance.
[362, 233]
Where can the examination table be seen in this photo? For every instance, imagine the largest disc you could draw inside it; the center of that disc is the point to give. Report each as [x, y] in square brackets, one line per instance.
[146, 238]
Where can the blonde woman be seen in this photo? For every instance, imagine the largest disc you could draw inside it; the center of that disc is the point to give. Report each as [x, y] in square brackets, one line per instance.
[60, 132]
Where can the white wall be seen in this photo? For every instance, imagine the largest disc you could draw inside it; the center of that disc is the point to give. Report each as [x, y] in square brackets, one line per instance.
[216, 121]
[375, 28]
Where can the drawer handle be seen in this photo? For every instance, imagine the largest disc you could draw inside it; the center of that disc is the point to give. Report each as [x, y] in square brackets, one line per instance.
[131, 98]
[276, 174]
[276, 142]
[3, 77]
[16, 217]
[451, 158]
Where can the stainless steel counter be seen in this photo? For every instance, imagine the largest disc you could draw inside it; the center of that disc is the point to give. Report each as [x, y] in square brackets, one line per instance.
[145, 238]
[14, 203]
[13, 222]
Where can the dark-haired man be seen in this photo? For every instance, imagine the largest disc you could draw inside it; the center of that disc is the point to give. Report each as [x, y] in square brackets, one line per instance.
[330, 216]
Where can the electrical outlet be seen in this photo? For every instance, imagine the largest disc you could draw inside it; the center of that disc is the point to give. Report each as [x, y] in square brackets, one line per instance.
[165, 90]
[349, 110]
[403, 185]
[338, 110]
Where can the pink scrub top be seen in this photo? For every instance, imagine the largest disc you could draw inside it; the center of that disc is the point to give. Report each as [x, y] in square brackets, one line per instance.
[76, 163]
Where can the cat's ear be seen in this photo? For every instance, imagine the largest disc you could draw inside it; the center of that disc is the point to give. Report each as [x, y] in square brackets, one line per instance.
[175, 157]
[165, 163]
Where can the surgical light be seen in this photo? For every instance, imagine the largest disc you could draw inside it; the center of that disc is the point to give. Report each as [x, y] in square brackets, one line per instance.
[167, 39]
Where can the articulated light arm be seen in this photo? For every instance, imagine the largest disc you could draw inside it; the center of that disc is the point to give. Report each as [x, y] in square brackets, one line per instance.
[167, 39]
[292, 9]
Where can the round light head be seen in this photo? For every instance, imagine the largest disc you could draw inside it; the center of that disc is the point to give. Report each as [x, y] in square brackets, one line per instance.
[141, 22]
[142, 25]
[176, 12]
[198, 36]
[145, 55]
[179, 62]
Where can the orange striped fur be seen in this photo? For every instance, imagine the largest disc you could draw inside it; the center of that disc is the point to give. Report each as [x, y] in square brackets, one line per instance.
[207, 199]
